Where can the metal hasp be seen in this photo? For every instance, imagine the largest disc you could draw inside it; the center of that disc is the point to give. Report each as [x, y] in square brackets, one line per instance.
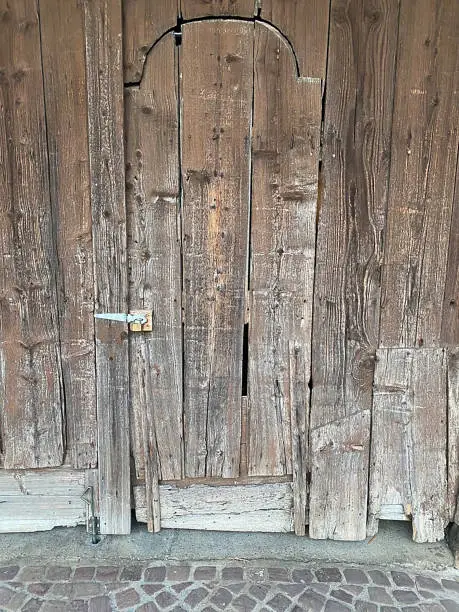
[93, 521]
[139, 320]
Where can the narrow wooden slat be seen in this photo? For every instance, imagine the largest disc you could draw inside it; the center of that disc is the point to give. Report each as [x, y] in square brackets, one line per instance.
[105, 108]
[144, 22]
[31, 402]
[425, 140]
[305, 24]
[357, 128]
[216, 68]
[192, 9]
[453, 434]
[409, 438]
[62, 32]
[286, 132]
[252, 508]
[152, 180]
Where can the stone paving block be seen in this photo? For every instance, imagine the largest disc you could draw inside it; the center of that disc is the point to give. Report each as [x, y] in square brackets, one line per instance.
[292, 589]
[232, 573]
[334, 606]
[278, 574]
[83, 573]
[451, 585]
[365, 606]
[152, 589]
[379, 578]
[58, 572]
[431, 607]
[236, 587]
[303, 575]
[52, 605]
[127, 599]
[244, 603]
[379, 595]
[181, 586]
[355, 576]
[355, 589]
[205, 572]
[196, 596]
[9, 572]
[279, 603]
[320, 587]
[259, 590]
[77, 605]
[450, 605]
[428, 583]
[5, 595]
[148, 607]
[405, 596]
[32, 605]
[312, 601]
[155, 574]
[39, 588]
[402, 579]
[16, 602]
[389, 609]
[165, 599]
[33, 573]
[342, 595]
[180, 573]
[221, 598]
[329, 574]
[107, 573]
[131, 573]
[426, 594]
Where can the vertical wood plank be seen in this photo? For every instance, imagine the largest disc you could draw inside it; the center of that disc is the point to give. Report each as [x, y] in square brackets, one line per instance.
[305, 24]
[216, 68]
[357, 128]
[409, 437]
[453, 434]
[286, 133]
[424, 153]
[62, 32]
[152, 179]
[105, 107]
[192, 9]
[144, 22]
[31, 402]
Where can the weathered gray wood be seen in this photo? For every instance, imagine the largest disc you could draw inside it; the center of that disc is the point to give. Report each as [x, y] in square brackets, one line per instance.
[423, 165]
[31, 401]
[63, 51]
[152, 180]
[192, 9]
[217, 70]
[144, 22]
[357, 127]
[266, 508]
[453, 434]
[286, 132]
[305, 24]
[105, 113]
[409, 439]
[39, 500]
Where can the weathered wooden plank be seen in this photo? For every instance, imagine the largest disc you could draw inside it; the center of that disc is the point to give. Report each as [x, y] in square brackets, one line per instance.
[286, 133]
[425, 139]
[453, 434]
[265, 508]
[217, 70]
[450, 315]
[357, 128]
[409, 439]
[305, 24]
[144, 22]
[41, 499]
[105, 112]
[31, 401]
[152, 180]
[63, 51]
[192, 9]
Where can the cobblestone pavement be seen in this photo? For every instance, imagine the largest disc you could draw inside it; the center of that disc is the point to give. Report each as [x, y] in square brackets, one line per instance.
[239, 587]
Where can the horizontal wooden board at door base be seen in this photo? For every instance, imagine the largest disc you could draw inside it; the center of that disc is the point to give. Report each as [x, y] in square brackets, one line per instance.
[39, 500]
[255, 508]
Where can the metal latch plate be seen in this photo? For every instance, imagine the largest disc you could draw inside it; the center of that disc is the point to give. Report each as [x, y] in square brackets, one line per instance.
[142, 327]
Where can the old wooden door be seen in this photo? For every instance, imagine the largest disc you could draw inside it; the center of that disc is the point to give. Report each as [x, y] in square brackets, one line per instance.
[222, 143]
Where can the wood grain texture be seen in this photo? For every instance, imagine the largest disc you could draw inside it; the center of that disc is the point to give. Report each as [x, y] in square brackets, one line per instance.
[63, 49]
[152, 179]
[357, 128]
[192, 9]
[450, 315]
[217, 69]
[286, 133]
[424, 155]
[453, 434]
[409, 439]
[31, 402]
[305, 24]
[105, 108]
[39, 500]
[144, 22]
[250, 508]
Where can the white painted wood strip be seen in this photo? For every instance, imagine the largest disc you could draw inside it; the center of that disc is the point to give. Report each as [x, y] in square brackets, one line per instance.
[262, 508]
[40, 500]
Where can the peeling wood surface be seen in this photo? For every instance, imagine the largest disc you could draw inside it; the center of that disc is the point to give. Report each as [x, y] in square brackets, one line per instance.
[409, 438]
[453, 434]
[42, 499]
[106, 116]
[144, 21]
[216, 63]
[63, 49]
[152, 179]
[265, 508]
[357, 128]
[285, 150]
[425, 140]
[31, 408]
[305, 24]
